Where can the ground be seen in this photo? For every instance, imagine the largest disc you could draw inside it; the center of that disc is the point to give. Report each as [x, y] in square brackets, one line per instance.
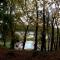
[7, 54]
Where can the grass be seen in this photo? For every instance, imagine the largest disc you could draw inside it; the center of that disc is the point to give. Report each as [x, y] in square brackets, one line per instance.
[7, 44]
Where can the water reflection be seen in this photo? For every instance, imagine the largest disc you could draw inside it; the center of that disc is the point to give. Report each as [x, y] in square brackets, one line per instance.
[30, 34]
[29, 45]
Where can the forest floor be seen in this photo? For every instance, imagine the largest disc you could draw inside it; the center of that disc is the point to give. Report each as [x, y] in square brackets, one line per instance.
[6, 54]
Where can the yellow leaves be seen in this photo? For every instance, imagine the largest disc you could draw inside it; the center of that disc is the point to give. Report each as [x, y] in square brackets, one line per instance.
[16, 1]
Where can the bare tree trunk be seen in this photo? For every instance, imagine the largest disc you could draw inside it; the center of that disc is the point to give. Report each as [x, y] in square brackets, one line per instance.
[26, 29]
[43, 40]
[57, 38]
[48, 30]
[12, 40]
[4, 36]
[12, 36]
[57, 10]
[12, 27]
[43, 46]
[4, 23]
[36, 31]
[25, 36]
[52, 37]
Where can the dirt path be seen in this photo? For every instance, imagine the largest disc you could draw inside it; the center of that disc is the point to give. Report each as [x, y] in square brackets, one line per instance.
[6, 54]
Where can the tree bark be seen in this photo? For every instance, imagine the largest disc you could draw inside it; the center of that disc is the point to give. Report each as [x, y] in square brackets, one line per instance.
[25, 36]
[36, 33]
[52, 37]
[43, 40]
[57, 38]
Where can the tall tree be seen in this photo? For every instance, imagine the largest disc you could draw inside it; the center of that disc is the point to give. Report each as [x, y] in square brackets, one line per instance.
[11, 23]
[26, 29]
[36, 31]
[52, 37]
[4, 21]
[43, 40]
[57, 24]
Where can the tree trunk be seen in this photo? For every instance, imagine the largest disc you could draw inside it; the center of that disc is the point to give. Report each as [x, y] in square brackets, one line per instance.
[25, 36]
[4, 40]
[52, 37]
[4, 23]
[59, 41]
[57, 38]
[48, 31]
[12, 28]
[43, 40]
[4, 32]
[36, 33]
[12, 39]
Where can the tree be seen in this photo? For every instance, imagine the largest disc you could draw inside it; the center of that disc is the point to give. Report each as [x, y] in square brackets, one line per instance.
[36, 31]
[57, 24]
[43, 40]
[52, 37]
[12, 25]
[4, 22]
